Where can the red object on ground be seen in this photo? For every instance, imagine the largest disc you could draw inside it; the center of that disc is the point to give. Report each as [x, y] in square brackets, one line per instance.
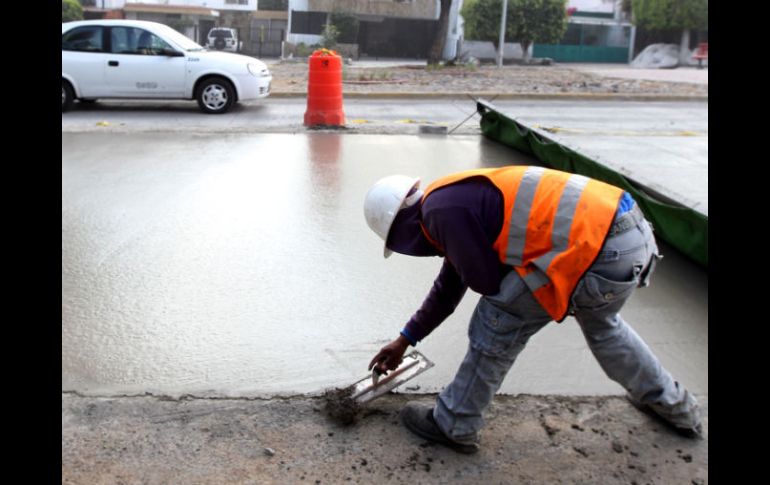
[702, 53]
[324, 90]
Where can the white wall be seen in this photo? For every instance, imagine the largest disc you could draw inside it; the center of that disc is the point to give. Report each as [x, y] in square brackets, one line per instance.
[484, 50]
[309, 39]
[213, 4]
[298, 5]
[455, 32]
[596, 6]
[109, 4]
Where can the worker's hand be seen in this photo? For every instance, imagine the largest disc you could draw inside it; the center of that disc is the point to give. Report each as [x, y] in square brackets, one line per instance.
[390, 356]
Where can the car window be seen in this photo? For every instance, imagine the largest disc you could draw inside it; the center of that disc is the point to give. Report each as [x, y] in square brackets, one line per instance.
[180, 40]
[221, 33]
[86, 39]
[131, 40]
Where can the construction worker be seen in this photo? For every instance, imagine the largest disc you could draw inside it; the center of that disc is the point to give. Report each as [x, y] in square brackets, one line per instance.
[538, 245]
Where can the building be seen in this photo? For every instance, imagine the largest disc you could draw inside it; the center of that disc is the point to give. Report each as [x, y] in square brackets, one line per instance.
[194, 18]
[598, 31]
[383, 28]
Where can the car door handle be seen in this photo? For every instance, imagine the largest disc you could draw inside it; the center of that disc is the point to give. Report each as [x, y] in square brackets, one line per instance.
[113, 63]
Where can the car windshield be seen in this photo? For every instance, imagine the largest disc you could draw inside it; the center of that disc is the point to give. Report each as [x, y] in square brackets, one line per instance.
[179, 39]
[221, 33]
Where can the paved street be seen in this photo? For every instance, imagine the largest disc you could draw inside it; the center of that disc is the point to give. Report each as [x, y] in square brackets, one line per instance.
[663, 145]
[285, 115]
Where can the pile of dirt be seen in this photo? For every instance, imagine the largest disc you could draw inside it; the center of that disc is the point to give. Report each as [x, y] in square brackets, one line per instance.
[526, 439]
[340, 405]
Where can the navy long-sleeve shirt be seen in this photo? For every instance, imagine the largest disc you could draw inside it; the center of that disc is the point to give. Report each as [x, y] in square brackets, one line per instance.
[465, 219]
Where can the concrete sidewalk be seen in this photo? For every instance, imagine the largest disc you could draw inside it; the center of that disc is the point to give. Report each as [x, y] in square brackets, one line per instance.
[669, 158]
[527, 440]
[624, 71]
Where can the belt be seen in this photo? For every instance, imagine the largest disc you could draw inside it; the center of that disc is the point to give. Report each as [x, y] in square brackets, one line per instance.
[626, 221]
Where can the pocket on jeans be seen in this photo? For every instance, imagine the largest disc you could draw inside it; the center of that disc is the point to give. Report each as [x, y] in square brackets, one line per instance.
[595, 292]
[492, 331]
[644, 277]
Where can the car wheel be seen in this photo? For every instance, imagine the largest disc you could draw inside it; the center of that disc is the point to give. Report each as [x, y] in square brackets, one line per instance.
[67, 96]
[215, 95]
[219, 44]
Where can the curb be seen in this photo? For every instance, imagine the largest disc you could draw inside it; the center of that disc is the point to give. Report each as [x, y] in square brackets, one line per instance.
[511, 96]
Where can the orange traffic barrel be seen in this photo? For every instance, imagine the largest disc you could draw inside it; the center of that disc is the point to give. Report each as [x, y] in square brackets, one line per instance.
[324, 89]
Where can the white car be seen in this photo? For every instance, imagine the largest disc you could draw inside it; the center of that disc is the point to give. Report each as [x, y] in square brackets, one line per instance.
[223, 39]
[139, 59]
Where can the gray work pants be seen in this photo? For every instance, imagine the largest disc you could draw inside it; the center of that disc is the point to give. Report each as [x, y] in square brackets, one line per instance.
[502, 324]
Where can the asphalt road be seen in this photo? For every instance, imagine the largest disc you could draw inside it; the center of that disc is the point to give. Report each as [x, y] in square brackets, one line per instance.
[396, 115]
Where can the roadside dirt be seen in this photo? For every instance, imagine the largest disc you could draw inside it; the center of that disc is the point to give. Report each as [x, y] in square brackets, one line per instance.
[527, 440]
[290, 77]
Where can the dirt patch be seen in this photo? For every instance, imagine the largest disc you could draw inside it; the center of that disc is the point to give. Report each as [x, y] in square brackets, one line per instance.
[340, 405]
[145, 439]
[291, 78]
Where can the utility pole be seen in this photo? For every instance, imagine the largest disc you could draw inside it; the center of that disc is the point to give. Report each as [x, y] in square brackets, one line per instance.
[501, 44]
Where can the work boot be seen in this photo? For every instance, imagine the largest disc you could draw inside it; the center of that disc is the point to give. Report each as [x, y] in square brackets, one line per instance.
[419, 420]
[693, 432]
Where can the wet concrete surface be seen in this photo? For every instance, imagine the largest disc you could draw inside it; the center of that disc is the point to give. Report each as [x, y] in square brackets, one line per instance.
[240, 265]
[660, 144]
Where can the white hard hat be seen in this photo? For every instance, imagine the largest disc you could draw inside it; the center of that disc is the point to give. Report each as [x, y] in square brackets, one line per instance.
[384, 199]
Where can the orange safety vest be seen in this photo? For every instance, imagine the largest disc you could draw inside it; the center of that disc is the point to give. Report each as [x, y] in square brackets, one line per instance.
[554, 227]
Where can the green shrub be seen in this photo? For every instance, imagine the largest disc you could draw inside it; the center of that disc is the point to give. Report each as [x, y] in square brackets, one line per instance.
[71, 10]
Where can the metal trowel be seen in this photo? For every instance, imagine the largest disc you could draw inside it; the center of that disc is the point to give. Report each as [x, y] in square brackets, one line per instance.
[374, 386]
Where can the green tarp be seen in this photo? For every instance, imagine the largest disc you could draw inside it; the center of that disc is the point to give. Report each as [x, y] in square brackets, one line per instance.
[682, 227]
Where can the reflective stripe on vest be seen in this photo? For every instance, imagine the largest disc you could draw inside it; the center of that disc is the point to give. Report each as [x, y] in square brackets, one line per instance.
[520, 216]
[555, 224]
[562, 221]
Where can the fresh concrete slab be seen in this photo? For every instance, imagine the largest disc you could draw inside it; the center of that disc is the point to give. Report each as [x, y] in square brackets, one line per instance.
[663, 149]
[240, 265]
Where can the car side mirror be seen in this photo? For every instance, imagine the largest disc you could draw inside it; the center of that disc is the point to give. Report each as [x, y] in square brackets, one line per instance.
[172, 53]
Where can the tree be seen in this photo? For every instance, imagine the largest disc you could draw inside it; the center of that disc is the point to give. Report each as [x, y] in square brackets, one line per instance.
[531, 21]
[71, 10]
[436, 51]
[527, 21]
[482, 20]
[329, 36]
[347, 25]
[670, 15]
